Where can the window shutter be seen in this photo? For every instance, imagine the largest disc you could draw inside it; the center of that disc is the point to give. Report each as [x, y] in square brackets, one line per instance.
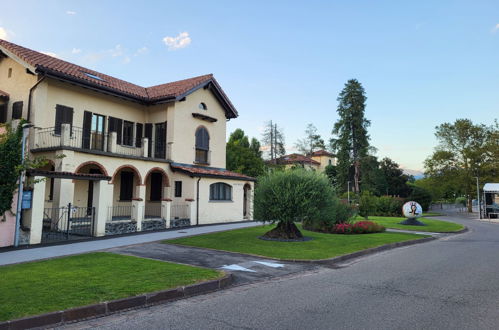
[138, 137]
[3, 113]
[87, 125]
[116, 125]
[17, 110]
[63, 115]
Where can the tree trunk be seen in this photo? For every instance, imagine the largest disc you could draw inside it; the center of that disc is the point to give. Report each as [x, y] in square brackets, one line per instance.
[470, 204]
[356, 177]
[284, 230]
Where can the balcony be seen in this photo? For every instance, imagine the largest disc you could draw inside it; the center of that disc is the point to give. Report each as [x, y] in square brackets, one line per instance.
[74, 138]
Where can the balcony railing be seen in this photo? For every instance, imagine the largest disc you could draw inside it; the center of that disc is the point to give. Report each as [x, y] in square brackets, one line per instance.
[71, 137]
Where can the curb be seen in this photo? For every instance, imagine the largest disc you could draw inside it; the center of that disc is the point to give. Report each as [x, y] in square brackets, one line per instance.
[113, 306]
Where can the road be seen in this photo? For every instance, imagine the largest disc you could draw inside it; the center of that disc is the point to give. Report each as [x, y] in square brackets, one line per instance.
[449, 283]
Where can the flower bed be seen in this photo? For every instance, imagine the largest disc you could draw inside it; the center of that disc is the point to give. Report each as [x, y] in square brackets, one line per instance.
[361, 227]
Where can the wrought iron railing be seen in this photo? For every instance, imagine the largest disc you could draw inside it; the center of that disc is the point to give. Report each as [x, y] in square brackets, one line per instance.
[180, 211]
[53, 137]
[121, 212]
[152, 211]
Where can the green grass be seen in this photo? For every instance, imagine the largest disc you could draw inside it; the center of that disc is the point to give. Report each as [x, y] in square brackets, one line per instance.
[57, 284]
[434, 226]
[322, 246]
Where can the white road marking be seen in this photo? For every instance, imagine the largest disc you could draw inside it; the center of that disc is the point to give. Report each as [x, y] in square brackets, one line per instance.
[237, 267]
[269, 264]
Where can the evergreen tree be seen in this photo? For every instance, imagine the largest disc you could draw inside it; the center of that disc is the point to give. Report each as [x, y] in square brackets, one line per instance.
[243, 157]
[273, 136]
[352, 142]
[311, 142]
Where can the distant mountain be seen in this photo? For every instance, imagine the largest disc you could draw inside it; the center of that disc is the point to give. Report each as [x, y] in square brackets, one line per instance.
[416, 173]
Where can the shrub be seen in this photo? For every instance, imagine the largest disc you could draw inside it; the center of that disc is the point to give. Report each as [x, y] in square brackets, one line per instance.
[289, 196]
[388, 206]
[338, 213]
[367, 204]
[361, 227]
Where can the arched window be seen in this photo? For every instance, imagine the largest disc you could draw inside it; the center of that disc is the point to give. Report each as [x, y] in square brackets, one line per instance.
[203, 106]
[220, 192]
[202, 145]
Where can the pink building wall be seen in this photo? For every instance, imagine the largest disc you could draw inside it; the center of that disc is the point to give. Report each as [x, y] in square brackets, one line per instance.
[7, 227]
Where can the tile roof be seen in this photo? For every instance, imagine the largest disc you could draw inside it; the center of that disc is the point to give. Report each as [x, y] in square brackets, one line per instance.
[296, 158]
[4, 95]
[209, 172]
[54, 66]
[321, 153]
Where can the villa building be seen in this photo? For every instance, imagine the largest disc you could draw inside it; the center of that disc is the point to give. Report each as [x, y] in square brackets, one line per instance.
[121, 157]
[317, 160]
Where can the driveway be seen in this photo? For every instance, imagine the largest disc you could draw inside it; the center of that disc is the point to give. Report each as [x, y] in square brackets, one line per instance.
[246, 269]
[449, 283]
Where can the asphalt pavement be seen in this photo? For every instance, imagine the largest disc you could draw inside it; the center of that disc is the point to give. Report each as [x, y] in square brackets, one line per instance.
[448, 283]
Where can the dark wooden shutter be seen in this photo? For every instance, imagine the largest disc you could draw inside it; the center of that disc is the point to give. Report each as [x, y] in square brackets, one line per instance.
[3, 113]
[160, 143]
[148, 134]
[202, 139]
[87, 125]
[17, 110]
[128, 133]
[63, 115]
[116, 125]
[138, 135]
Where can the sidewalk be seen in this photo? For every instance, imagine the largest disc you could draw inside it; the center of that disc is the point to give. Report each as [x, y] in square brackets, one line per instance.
[23, 255]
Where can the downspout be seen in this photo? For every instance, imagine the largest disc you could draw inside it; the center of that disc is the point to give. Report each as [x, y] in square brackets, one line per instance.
[197, 203]
[30, 95]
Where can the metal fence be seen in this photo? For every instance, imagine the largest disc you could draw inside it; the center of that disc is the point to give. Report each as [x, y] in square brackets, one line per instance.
[67, 223]
[180, 211]
[122, 212]
[152, 211]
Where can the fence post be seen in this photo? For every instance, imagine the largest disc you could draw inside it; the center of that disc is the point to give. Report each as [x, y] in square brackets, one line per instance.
[69, 220]
[138, 212]
[166, 204]
[191, 209]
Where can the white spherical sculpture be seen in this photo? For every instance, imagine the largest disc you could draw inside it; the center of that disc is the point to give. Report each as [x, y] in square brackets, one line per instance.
[412, 210]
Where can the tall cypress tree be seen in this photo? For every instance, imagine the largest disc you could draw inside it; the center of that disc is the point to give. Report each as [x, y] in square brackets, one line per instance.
[352, 142]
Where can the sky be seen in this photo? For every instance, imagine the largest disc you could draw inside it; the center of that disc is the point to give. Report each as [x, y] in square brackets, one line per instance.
[422, 63]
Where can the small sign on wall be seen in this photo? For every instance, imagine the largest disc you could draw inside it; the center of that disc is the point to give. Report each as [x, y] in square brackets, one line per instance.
[26, 199]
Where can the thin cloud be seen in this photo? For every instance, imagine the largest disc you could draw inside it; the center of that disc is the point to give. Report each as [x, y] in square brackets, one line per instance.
[495, 29]
[182, 40]
[141, 51]
[76, 51]
[70, 12]
[3, 34]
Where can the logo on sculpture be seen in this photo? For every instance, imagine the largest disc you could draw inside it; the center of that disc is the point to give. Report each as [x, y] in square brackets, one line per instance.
[412, 210]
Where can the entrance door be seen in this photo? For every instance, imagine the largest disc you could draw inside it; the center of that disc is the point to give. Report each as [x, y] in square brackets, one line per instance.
[90, 196]
[247, 189]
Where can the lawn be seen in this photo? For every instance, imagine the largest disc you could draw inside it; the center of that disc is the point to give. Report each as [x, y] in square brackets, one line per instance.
[322, 246]
[435, 226]
[57, 284]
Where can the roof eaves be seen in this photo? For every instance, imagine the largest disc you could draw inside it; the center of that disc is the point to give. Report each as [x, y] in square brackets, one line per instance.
[99, 88]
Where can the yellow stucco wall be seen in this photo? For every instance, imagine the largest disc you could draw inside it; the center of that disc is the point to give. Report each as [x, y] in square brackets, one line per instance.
[183, 128]
[18, 85]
